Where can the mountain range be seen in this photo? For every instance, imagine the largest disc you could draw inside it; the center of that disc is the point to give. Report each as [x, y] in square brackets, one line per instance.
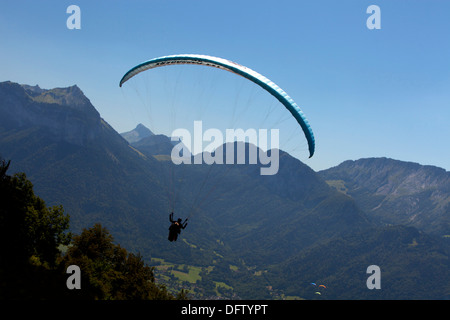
[396, 192]
[257, 236]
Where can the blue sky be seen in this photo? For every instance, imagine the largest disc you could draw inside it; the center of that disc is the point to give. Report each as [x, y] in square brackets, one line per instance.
[366, 93]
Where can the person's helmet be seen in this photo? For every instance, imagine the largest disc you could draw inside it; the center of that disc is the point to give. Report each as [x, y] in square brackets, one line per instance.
[179, 220]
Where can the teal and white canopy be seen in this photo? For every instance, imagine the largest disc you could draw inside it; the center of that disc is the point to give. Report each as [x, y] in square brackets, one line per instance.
[236, 68]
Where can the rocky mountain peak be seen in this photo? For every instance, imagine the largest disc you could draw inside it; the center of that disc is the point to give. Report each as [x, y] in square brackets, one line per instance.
[65, 112]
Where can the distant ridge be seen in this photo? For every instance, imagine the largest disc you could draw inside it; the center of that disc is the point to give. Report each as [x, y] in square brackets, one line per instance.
[397, 192]
[137, 134]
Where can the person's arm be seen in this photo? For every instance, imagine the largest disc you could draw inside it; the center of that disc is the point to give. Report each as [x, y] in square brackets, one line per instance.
[184, 224]
[171, 217]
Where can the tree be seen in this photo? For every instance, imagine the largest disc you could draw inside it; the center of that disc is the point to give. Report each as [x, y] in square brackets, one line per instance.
[30, 234]
[109, 271]
[28, 229]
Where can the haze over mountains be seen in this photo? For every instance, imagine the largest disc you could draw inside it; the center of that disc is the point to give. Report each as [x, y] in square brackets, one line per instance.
[259, 235]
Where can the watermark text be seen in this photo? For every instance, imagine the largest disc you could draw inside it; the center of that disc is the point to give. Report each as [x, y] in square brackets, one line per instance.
[235, 148]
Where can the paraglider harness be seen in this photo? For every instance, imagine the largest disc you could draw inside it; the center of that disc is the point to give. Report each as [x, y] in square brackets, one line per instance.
[175, 228]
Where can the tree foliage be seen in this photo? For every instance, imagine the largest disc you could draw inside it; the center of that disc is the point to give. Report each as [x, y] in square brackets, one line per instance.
[28, 229]
[109, 271]
[33, 267]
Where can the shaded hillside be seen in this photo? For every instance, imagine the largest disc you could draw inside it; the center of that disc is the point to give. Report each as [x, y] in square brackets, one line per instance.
[74, 158]
[413, 265]
[270, 218]
[262, 218]
[157, 144]
[397, 192]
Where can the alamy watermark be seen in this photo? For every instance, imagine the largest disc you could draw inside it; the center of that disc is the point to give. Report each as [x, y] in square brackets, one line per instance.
[190, 148]
[374, 20]
[74, 280]
[374, 280]
[73, 22]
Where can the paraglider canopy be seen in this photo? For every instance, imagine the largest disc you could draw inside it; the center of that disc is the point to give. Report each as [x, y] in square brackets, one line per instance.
[236, 68]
